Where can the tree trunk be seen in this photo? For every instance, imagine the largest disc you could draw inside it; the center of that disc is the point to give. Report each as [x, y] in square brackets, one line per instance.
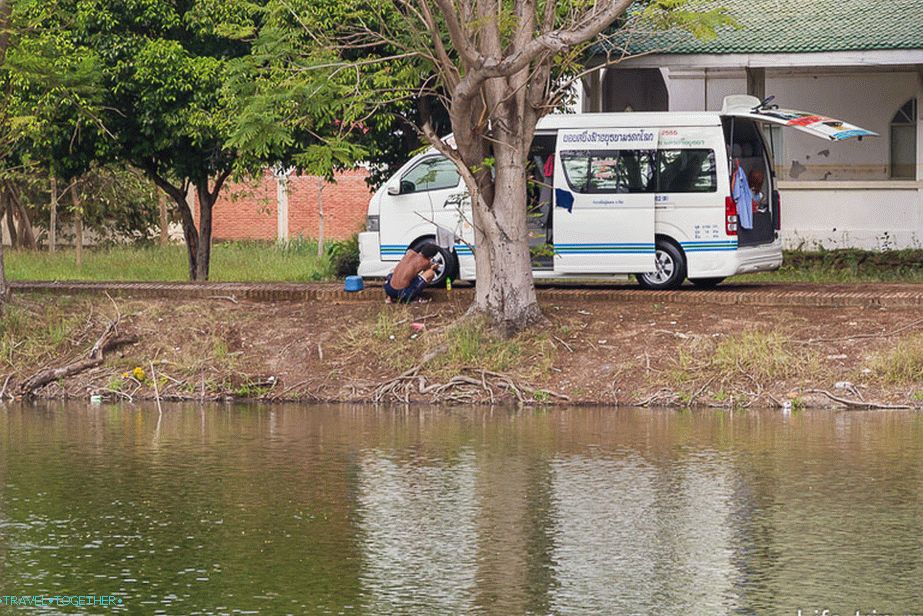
[502, 254]
[10, 221]
[53, 216]
[164, 219]
[26, 234]
[3, 287]
[190, 234]
[320, 217]
[203, 254]
[78, 226]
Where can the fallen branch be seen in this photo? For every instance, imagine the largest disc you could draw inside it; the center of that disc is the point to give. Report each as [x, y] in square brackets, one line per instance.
[108, 341]
[888, 334]
[853, 404]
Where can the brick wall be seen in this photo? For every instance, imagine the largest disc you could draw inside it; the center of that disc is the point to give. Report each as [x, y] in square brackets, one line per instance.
[247, 210]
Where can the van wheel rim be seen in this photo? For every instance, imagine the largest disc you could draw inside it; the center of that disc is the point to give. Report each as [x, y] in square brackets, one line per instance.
[665, 268]
[439, 260]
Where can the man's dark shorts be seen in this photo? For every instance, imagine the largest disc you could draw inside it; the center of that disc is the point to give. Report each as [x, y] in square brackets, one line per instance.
[408, 294]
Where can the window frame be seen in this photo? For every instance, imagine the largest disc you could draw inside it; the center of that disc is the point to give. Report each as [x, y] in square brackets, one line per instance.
[714, 157]
[590, 156]
[424, 161]
[911, 122]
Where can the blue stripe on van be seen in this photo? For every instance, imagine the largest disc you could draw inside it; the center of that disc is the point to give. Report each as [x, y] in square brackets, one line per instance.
[605, 249]
[709, 246]
[462, 250]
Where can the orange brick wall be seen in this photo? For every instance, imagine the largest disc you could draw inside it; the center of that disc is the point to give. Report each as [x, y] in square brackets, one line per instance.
[247, 210]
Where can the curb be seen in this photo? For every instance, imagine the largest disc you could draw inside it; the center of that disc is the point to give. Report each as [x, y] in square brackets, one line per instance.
[754, 295]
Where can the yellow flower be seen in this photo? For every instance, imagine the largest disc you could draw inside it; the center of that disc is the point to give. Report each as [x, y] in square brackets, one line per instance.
[138, 373]
[126, 375]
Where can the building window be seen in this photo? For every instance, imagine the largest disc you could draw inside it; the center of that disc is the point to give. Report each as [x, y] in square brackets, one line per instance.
[904, 141]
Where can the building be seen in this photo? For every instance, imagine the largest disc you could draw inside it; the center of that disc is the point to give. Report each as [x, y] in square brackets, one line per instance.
[857, 60]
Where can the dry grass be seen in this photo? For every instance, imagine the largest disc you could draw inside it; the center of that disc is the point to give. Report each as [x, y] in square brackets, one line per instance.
[33, 329]
[741, 366]
[388, 339]
[902, 364]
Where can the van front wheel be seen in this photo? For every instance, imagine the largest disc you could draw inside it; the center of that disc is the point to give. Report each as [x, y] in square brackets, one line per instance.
[671, 268]
[447, 264]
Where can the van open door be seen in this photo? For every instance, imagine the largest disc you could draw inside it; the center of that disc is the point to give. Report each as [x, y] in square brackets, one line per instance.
[744, 106]
[603, 217]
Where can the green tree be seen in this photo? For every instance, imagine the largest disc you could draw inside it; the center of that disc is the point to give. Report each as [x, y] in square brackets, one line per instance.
[497, 67]
[164, 102]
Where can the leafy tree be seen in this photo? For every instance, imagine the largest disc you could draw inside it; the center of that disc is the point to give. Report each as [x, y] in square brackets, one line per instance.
[164, 105]
[497, 68]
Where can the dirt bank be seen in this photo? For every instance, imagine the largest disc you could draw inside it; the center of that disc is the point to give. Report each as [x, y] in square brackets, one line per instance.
[617, 353]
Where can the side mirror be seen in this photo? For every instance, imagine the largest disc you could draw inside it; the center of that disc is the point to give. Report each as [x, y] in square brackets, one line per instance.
[394, 187]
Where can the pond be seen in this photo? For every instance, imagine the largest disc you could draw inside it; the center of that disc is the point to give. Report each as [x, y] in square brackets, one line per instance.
[338, 509]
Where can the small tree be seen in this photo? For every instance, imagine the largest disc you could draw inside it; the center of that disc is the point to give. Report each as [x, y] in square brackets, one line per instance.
[497, 67]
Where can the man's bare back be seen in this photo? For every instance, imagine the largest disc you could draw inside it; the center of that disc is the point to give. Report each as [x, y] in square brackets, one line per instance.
[410, 266]
[411, 275]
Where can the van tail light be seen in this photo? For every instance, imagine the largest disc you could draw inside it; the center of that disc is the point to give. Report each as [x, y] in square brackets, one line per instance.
[777, 211]
[730, 216]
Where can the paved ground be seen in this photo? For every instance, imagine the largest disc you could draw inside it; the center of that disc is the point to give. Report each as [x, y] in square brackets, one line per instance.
[789, 294]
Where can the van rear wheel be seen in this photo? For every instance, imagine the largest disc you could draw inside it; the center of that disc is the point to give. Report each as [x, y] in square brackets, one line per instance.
[671, 268]
[706, 283]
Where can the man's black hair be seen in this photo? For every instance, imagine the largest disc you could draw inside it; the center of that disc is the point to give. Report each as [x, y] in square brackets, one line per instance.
[429, 250]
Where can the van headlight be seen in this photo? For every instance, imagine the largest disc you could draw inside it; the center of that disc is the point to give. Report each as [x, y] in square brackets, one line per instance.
[372, 223]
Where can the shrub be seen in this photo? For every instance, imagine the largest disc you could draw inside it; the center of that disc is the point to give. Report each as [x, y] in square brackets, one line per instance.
[344, 256]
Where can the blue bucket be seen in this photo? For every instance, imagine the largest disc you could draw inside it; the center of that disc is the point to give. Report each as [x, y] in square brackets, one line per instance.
[353, 284]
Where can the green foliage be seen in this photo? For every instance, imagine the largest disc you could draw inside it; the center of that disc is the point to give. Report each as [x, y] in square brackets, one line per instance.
[344, 256]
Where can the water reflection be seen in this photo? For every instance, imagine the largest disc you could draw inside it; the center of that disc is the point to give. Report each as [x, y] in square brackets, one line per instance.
[332, 510]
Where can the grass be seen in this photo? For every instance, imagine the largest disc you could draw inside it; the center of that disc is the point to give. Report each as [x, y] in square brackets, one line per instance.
[901, 365]
[845, 266]
[34, 330]
[761, 355]
[296, 261]
[466, 344]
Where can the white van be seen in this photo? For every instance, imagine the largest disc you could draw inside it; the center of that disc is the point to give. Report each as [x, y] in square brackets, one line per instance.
[641, 193]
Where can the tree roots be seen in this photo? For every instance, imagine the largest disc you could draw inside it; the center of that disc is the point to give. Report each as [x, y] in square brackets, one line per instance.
[473, 386]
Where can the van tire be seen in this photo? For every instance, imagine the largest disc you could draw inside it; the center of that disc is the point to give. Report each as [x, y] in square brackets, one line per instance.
[448, 257]
[671, 268]
[706, 283]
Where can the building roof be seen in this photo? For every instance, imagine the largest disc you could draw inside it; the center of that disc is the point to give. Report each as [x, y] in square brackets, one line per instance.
[801, 26]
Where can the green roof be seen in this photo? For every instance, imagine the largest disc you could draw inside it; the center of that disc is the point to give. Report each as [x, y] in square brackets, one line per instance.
[802, 26]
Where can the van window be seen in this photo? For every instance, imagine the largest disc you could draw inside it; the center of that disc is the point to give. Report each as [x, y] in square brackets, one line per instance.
[433, 173]
[686, 171]
[620, 171]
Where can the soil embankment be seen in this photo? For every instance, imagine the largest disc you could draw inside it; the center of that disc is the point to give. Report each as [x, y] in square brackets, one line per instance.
[655, 352]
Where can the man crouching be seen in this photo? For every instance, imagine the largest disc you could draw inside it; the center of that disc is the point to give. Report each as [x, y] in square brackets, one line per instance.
[411, 275]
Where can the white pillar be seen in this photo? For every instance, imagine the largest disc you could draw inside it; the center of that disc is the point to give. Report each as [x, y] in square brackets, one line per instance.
[281, 174]
[919, 122]
[919, 161]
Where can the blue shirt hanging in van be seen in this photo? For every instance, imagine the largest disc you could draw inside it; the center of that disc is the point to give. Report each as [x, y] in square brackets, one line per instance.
[743, 198]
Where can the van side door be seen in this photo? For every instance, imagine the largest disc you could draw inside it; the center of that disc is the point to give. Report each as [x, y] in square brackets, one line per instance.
[604, 201]
[430, 193]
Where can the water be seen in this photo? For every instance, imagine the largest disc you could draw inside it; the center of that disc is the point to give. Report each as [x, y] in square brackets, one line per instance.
[328, 510]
